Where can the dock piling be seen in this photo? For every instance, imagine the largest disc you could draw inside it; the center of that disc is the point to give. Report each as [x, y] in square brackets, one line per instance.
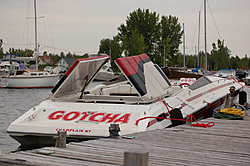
[135, 159]
[189, 120]
[60, 139]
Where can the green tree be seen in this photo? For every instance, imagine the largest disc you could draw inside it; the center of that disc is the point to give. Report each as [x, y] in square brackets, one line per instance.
[62, 55]
[116, 51]
[55, 58]
[69, 55]
[20, 52]
[134, 45]
[243, 63]
[248, 63]
[171, 29]
[113, 48]
[165, 48]
[234, 62]
[85, 55]
[45, 53]
[220, 55]
[1, 49]
[105, 46]
[145, 23]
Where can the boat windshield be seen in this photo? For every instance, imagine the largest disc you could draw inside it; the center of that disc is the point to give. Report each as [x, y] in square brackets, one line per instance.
[202, 81]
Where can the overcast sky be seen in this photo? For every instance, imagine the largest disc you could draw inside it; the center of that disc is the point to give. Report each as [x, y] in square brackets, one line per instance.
[79, 25]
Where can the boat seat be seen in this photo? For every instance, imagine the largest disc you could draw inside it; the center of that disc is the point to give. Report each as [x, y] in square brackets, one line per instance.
[173, 89]
[119, 89]
[148, 79]
[96, 90]
[157, 83]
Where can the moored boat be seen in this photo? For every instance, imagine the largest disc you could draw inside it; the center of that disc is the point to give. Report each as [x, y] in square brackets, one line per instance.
[5, 67]
[105, 73]
[225, 73]
[23, 79]
[142, 100]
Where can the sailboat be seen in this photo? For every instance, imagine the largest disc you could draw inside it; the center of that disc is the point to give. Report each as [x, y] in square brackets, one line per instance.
[176, 74]
[27, 78]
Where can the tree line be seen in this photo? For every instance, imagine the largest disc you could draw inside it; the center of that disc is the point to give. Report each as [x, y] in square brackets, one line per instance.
[158, 37]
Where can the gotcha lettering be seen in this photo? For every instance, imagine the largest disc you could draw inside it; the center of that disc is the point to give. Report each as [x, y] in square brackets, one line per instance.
[93, 116]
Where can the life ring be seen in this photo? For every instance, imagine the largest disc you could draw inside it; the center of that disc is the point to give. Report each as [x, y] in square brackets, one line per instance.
[184, 84]
[4, 83]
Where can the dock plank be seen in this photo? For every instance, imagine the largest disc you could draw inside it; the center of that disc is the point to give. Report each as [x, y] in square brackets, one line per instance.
[226, 143]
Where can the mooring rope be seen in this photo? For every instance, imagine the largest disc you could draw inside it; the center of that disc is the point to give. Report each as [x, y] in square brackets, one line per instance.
[210, 124]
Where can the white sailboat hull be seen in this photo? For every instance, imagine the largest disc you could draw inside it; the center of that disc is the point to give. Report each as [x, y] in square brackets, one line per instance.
[30, 82]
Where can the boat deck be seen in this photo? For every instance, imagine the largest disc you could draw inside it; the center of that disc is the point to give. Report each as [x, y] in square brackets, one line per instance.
[226, 143]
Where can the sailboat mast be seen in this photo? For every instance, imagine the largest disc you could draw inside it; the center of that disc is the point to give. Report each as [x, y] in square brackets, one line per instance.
[184, 47]
[198, 56]
[36, 49]
[205, 33]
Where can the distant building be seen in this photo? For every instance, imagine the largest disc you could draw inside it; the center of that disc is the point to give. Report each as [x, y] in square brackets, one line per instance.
[9, 57]
[66, 62]
[45, 60]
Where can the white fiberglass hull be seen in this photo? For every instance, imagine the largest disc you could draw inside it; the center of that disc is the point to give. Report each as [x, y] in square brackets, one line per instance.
[30, 82]
[91, 120]
[146, 102]
[81, 120]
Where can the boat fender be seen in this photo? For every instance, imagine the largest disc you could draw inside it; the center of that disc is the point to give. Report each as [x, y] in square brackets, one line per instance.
[209, 113]
[163, 115]
[176, 114]
[242, 97]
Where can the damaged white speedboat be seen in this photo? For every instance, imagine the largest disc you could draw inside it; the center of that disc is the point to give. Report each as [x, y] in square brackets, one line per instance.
[133, 102]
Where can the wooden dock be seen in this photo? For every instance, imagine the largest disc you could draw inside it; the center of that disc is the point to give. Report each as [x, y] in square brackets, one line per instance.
[226, 143]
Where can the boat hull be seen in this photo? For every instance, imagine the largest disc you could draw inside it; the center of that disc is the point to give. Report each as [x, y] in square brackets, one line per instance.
[25, 129]
[146, 102]
[81, 121]
[38, 140]
[30, 82]
[175, 74]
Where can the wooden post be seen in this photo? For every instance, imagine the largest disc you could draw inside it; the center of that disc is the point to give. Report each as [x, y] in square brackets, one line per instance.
[246, 105]
[114, 131]
[189, 122]
[61, 139]
[135, 159]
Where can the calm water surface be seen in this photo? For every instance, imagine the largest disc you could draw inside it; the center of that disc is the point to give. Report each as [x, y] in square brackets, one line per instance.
[15, 102]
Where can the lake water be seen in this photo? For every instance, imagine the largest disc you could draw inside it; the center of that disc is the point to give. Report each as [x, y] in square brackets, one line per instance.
[15, 102]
